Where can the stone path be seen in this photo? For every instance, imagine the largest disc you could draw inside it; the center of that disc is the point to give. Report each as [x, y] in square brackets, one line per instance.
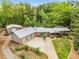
[46, 46]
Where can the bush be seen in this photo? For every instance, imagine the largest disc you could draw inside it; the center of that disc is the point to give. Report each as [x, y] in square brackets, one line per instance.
[22, 57]
[37, 50]
[19, 49]
[26, 47]
[23, 48]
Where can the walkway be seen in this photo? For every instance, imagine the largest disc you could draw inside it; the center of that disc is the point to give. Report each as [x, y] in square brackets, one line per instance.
[46, 46]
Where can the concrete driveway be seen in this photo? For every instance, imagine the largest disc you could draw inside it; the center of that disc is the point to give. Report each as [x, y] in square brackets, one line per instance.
[45, 46]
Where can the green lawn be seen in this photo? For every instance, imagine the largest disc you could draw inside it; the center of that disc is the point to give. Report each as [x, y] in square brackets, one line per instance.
[63, 47]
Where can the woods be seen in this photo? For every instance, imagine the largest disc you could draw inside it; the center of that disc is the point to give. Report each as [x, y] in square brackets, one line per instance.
[48, 15]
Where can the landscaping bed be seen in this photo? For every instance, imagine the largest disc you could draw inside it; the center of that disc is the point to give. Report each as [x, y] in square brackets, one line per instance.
[63, 47]
[26, 52]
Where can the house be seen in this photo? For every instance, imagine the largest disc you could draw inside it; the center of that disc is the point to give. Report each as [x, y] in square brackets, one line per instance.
[57, 31]
[40, 30]
[25, 34]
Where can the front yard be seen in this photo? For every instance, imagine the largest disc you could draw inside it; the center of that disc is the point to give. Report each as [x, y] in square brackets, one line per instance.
[63, 47]
[27, 52]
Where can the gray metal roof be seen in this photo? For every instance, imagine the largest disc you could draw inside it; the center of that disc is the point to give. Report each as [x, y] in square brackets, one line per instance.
[56, 30]
[30, 30]
[24, 32]
[41, 29]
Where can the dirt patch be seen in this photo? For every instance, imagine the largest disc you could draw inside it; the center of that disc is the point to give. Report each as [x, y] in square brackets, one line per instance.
[3, 37]
[74, 55]
[2, 40]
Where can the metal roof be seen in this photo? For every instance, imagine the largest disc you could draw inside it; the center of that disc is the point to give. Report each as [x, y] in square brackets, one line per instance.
[24, 32]
[30, 30]
[56, 30]
[13, 25]
[41, 29]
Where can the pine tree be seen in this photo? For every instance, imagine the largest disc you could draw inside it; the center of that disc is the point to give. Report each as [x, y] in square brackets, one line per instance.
[75, 30]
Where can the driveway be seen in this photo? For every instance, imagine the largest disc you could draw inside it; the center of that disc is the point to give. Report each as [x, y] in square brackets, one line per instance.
[46, 46]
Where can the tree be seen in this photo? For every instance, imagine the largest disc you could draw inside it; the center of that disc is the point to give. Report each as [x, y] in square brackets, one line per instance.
[47, 15]
[55, 14]
[75, 30]
[6, 12]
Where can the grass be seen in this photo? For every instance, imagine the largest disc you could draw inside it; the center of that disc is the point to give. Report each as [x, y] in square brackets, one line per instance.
[63, 47]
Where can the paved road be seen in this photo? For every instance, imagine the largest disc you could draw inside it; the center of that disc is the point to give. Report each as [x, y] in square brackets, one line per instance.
[46, 46]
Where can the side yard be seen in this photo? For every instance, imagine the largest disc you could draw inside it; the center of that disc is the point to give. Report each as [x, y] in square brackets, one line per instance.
[63, 47]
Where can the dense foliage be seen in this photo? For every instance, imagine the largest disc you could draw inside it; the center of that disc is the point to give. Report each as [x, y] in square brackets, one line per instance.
[48, 15]
[75, 30]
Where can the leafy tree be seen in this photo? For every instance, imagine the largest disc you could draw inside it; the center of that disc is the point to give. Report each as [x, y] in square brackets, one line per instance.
[47, 15]
[6, 12]
[55, 14]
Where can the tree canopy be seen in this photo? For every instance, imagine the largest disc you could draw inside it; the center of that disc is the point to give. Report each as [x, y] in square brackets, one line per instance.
[48, 15]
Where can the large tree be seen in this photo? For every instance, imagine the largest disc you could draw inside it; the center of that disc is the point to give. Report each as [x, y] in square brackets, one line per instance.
[75, 30]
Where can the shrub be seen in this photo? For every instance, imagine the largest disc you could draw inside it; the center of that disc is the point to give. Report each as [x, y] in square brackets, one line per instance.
[22, 57]
[26, 47]
[19, 49]
[37, 50]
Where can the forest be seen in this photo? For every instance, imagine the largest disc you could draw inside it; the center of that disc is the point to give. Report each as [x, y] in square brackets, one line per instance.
[47, 15]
